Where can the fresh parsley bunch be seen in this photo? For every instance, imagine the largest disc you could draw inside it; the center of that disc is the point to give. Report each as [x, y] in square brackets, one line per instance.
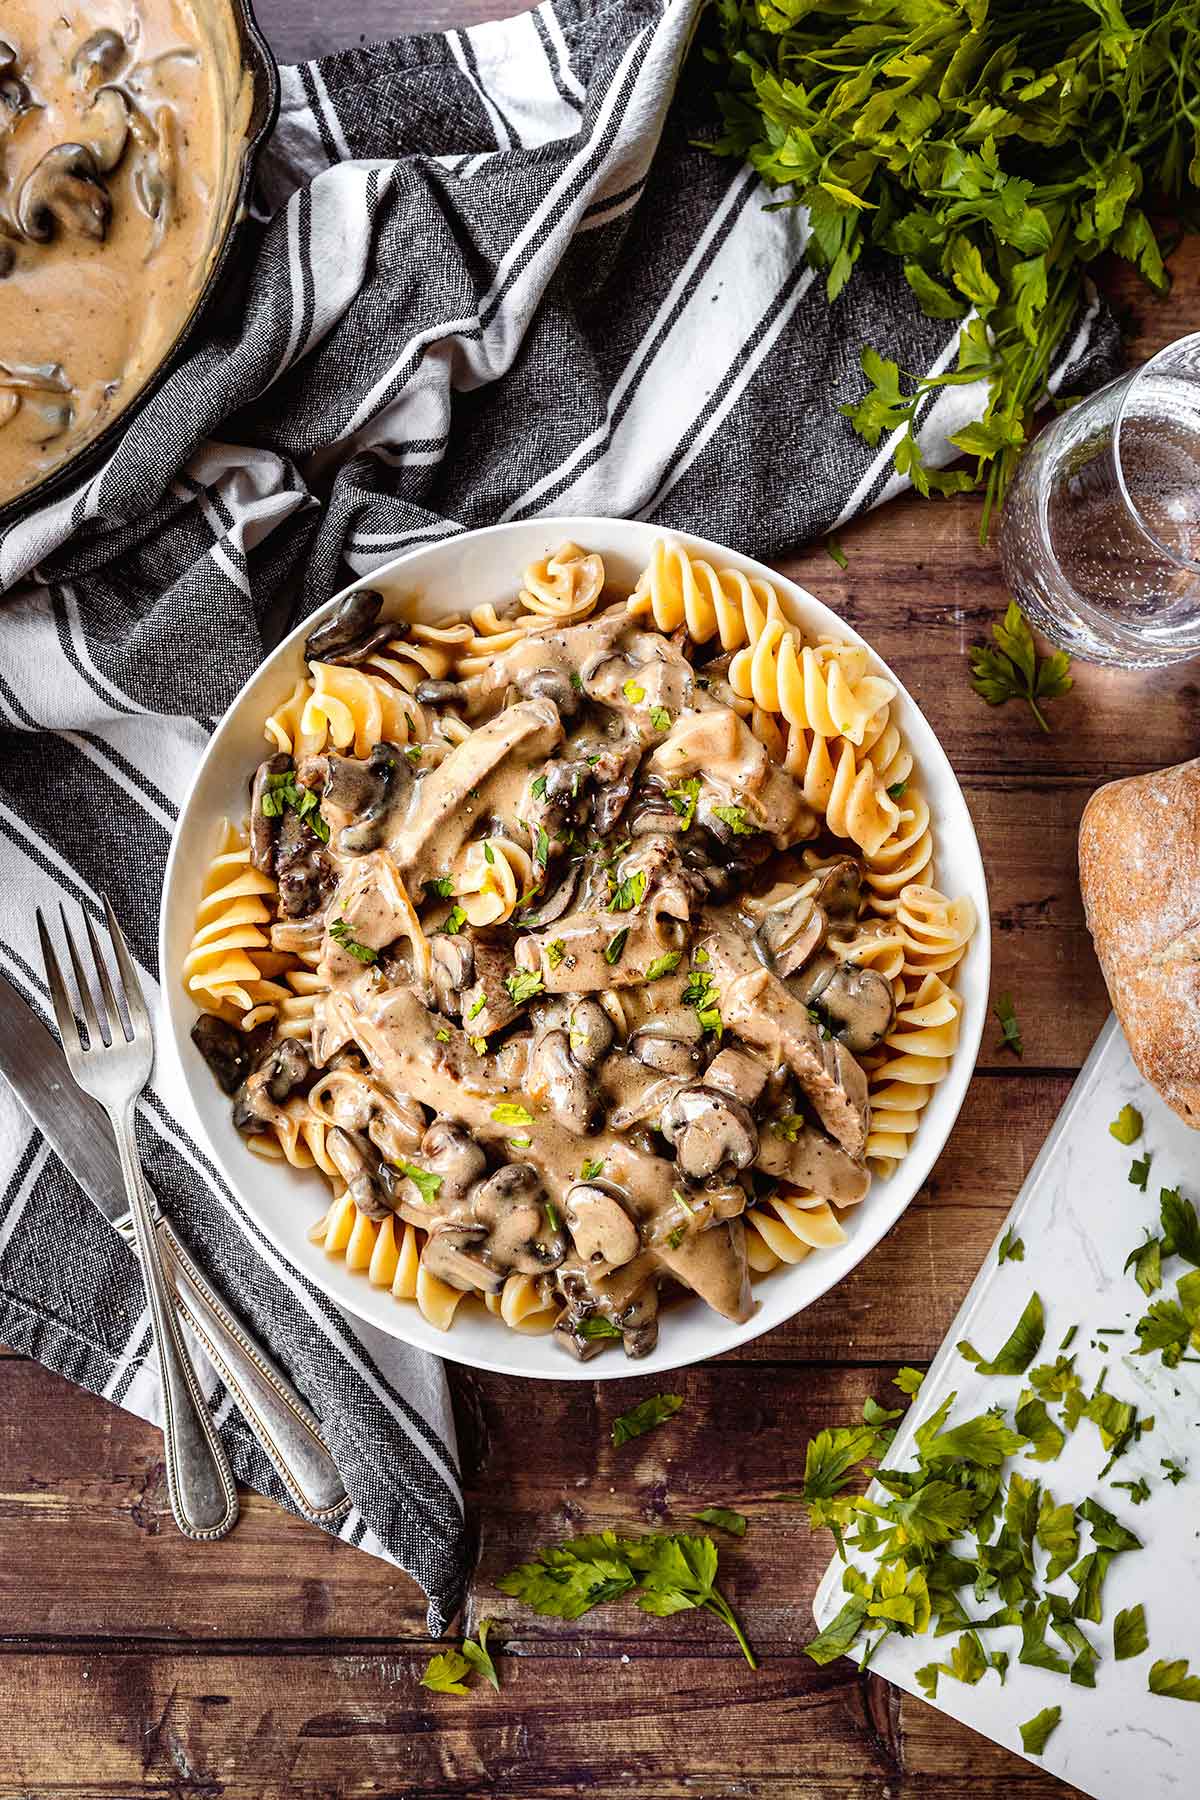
[994, 146]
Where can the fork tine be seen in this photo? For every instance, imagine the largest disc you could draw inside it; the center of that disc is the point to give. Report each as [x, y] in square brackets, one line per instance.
[96, 1032]
[68, 1029]
[135, 1000]
[116, 1023]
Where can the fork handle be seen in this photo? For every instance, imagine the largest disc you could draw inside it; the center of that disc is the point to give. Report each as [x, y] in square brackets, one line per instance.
[199, 1480]
[284, 1425]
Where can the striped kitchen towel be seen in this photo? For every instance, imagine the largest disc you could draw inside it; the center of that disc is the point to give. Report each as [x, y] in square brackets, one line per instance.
[490, 275]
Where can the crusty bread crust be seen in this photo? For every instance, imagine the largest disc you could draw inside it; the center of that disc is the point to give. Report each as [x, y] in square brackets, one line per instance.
[1139, 870]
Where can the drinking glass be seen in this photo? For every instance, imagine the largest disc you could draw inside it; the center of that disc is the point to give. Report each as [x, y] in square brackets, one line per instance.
[1100, 535]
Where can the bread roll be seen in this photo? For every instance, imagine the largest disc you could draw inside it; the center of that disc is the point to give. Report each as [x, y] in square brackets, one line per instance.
[1139, 869]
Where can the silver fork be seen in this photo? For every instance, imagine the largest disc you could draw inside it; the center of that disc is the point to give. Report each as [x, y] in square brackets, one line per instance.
[113, 1067]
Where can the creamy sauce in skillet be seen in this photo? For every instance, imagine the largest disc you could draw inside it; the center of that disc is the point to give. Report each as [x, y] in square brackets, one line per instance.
[104, 249]
[589, 1089]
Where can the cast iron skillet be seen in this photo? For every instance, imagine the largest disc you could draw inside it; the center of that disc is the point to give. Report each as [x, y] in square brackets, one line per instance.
[259, 64]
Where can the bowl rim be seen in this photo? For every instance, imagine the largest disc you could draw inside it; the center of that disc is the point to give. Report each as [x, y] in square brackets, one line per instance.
[871, 1224]
[259, 63]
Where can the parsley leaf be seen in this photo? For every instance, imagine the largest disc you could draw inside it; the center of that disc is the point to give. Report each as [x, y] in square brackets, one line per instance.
[444, 1673]
[524, 985]
[633, 692]
[1011, 1039]
[839, 1635]
[660, 718]
[644, 1417]
[555, 950]
[908, 1380]
[454, 921]
[440, 888]
[1035, 1732]
[733, 1522]
[615, 947]
[593, 1166]
[627, 893]
[833, 549]
[1139, 1171]
[424, 1180]
[684, 799]
[1127, 1126]
[1171, 1679]
[1019, 1350]
[1181, 1228]
[477, 1655]
[1172, 1471]
[1013, 670]
[341, 934]
[663, 965]
[735, 818]
[511, 1112]
[597, 1327]
[1130, 1637]
[1011, 1249]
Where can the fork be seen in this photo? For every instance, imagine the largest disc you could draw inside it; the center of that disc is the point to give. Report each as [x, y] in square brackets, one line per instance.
[113, 1066]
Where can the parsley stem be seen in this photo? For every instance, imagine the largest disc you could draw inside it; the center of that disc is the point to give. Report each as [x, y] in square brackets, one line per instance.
[717, 1603]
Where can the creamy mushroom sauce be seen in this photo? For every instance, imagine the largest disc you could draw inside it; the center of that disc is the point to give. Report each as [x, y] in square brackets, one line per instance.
[120, 126]
[592, 1091]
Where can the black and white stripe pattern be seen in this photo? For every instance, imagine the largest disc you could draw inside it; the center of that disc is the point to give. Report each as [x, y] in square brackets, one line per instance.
[487, 275]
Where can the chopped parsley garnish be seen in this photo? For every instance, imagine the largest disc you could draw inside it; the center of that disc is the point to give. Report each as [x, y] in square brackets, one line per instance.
[1016, 1354]
[684, 799]
[555, 950]
[541, 848]
[735, 818]
[1130, 1637]
[676, 1237]
[1127, 1126]
[479, 1045]
[676, 1572]
[1011, 1249]
[733, 1522]
[644, 1417]
[537, 787]
[552, 1218]
[1138, 1490]
[524, 985]
[442, 1035]
[897, 790]
[489, 855]
[478, 1007]
[454, 921]
[1172, 1471]
[1139, 1171]
[1010, 1030]
[660, 718]
[1172, 1681]
[413, 752]
[341, 934]
[511, 1112]
[788, 1126]
[633, 692]
[679, 1199]
[701, 993]
[615, 947]
[820, 1018]
[576, 681]
[440, 888]
[593, 1166]
[1035, 1732]
[664, 965]
[521, 1143]
[282, 791]
[597, 1327]
[628, 893]
[424, 1180]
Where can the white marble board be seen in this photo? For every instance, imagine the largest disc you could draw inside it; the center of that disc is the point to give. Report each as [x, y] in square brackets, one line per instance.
[1079, 1216]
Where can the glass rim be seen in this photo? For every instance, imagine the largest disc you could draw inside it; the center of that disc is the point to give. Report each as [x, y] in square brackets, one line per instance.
[1192, 340]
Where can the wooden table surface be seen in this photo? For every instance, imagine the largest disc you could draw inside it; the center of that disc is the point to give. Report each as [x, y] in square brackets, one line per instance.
[282, 1663]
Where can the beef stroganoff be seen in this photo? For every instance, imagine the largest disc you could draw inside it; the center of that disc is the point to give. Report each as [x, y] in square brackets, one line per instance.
[589, 952]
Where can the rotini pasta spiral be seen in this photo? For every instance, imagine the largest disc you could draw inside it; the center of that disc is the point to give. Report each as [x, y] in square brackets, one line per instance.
[230, 963]
[904, 857]
[916, 1056]
[823, 688]
[523, 1306]
[564, 586]
[936, 930]
[787, 1228]
[858, 808]
[494, 875]
[677, 589]
[388, 1252]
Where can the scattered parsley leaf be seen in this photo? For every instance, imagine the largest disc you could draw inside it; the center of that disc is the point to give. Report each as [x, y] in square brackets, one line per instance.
[1139, 1171]
[644, 1417]
[1130, 1637]
[341, 934]
[597, 1327]
[1181, 1228]
[479, 1045]
[663, 965]
[684, 799]
[523, 986]
[424, 1180]
[477, 1655]
[1138, 1490]
[1172, 1681]
[1172, 1471]
[897, 790]
[555, 950]
[733, 1522]
[537, 787]
[440, 888]
[1035, 1732]
[477, 1008]
[840, 1633]
[1146, 1264]
[735, 818]
[454, 921]
[442, 1035]
[1034, 1422]
[615, 947]
[660, 718]
[541, 848]
[1011, 1038]
[633, 692]
[1012, 1249]
[627, 893]
[511, 1112]
[1019, 1350]
[1013, 670]
[833, 549]
[592, 1167]
[444, 1673]
[1127, 1126]
[908, 1380]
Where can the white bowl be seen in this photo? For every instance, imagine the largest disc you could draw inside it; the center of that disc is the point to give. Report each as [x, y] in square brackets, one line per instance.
[452, 576]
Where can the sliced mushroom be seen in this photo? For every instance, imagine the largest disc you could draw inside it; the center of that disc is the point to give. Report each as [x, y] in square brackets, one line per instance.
[840, 888]
[449, 1151]
[15, 96]
[512, 1205]
[452, 1253]
[64, 189]
[550, 684]
[274, 1078]
[107, 132]
[613, 796]
[557, 901]
[859, 1006]
[556, 1080]
[603, 1232]
[359, 1172]
[264, 828]
[709, 1131]
[351, 634]
[229, 1053]
[367, 792]
[791, 933]
[738, 1073]
[98, 58]
[301, 868]
[452, 961]
[591, 1033]
[672, 1042]
[439, 693]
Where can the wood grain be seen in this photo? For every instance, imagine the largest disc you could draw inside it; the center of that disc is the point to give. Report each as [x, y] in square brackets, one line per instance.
[283, 1664]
